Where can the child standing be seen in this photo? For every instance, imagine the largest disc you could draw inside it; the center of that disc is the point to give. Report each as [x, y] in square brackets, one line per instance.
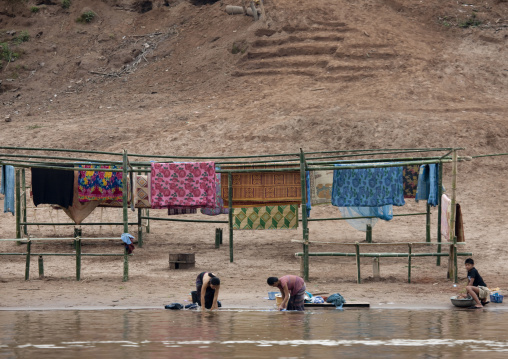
[476, 287]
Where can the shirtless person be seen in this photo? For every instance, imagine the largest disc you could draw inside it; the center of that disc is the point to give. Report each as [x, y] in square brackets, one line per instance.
[207, 288]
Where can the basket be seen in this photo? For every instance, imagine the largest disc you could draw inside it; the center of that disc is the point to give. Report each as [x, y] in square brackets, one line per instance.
[496, 298]
[271, 295]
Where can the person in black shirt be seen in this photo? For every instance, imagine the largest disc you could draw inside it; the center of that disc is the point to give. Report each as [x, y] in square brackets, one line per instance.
[476, 287]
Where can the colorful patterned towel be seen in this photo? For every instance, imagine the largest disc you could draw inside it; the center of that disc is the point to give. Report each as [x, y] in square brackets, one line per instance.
[267, 188]
[173, 211]
[410, 180]
[190, 184]
[219, 202]
[78, 211]
[270, 217]
[99, 186]
[321, 183]
[142, 191]
[367, 187]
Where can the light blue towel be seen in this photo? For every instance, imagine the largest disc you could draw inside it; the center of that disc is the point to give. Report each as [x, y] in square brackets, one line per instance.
[7, 187]
[126, 238]
[428, 184]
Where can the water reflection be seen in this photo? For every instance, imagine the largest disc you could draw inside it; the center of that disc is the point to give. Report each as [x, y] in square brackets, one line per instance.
[317, 334]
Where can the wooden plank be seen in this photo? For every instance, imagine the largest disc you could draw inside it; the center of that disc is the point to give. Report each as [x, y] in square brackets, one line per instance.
[330, 305]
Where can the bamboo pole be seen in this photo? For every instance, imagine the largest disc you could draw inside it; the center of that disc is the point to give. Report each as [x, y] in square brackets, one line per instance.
[439, 210]
[230, 215]
[217, 240]
[81, 224]
[427, 224]
[18, 202]
[125, 216]
[41, 267]
[78, 259]
[140, 229]
[358, 276]
[409, 263]
[305, 230]
[183, 220]
[380, 255]
[72, 159]
[380, 244]
[27, 262]
[381, 165]
[148, 221]
[369, 234]
[451, 258]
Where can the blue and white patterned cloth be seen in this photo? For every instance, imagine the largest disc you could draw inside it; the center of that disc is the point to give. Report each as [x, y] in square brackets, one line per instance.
[368, 187]
[428, 184]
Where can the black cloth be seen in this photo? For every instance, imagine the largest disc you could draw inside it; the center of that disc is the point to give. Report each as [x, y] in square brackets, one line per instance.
[209, 293]
[478, 280]
[52, 186]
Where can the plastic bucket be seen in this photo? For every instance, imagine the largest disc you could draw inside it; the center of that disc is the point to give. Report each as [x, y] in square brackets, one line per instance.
[271, 295]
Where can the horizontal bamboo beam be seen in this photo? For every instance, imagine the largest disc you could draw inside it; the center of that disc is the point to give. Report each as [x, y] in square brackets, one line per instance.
[382, 244]
[65, 254]
[182, 220]
[345, 218]
[74, 224]
[55, 158]
[383, 165]
[381, 255]
[382, 149]
[492, 155]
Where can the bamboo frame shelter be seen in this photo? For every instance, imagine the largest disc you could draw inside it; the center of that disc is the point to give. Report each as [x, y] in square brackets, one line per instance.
[307, 161]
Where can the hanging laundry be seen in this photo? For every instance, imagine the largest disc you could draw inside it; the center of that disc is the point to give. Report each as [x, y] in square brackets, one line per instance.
[367, 187]
[321, 183]
[219, 202]
[126, 239]
[410, 180]
[52, 186]
[186, 184]
[446, 208]
[383, 212]
[78, 211]
[142, 191]
[7, 187]
[267, 217]
[118, 202]
[252, 189]
[428, 184]
[459, 225]
[181, 210]
[100, 186]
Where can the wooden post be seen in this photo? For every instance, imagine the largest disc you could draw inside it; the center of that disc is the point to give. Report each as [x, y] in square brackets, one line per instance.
[220, 236]
[439, 209]
[453, 248]
[27, 264]
[369, 234]
[140, 229]
[409, 262]
[18, 202]
[254, 11]
[376, 268]
[358, 276]
[147, 221]
[217, 240]
[263, 13]
[78, 259]
[23, 183]
[41, 267]
[305, 227]
[125, 215]
[427, 221]
[230, 215]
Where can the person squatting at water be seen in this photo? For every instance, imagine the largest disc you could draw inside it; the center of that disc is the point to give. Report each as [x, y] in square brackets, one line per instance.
[292, 289]
[207, 290]
[476, 287]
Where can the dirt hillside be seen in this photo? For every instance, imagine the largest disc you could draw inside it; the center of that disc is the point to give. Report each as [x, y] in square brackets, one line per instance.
[178, 77]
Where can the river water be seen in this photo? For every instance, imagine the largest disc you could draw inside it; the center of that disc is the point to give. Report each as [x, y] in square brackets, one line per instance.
[319, 333]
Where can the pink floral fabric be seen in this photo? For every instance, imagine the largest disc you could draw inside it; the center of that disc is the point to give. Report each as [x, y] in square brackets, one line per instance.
[188, 184]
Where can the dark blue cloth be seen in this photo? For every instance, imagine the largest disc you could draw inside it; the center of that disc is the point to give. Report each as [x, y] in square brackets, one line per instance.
[174, 306]
[337, 300]
[428, 184]
[7, 186]
[368, 187]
